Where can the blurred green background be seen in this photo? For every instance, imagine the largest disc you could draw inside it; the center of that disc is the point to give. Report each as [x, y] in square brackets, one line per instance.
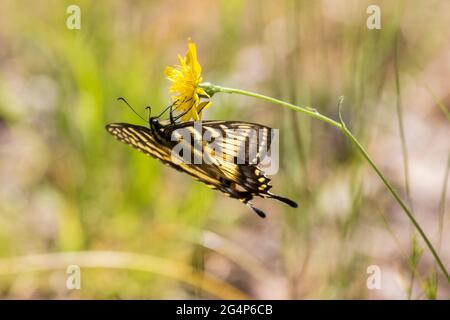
[144, 231]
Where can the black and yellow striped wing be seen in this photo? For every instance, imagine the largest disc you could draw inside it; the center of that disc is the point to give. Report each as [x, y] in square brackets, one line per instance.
[239, 181]
[237, 142]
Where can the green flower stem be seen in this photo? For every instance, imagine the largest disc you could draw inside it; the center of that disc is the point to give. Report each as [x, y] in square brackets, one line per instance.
[212, 89]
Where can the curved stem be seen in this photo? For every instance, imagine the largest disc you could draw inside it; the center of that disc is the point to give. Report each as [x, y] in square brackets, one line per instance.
[212, 89]
[398, 199]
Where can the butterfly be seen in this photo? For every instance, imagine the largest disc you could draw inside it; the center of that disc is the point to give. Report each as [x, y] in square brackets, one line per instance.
[219, 169]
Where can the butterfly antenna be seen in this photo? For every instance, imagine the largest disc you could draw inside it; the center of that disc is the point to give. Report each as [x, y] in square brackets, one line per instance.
[126, 102]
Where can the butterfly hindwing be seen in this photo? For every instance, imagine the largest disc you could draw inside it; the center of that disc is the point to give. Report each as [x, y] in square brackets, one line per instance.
[233, 141]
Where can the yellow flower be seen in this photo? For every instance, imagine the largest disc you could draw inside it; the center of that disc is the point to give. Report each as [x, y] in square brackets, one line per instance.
[185, 79]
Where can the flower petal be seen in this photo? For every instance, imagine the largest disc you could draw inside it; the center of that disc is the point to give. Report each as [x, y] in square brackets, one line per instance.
[185, 79]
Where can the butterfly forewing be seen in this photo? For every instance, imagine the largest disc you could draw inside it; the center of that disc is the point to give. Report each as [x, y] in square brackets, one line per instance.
[140, 138]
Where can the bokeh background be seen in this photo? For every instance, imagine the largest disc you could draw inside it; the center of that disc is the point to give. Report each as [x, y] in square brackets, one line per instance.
[72, 195]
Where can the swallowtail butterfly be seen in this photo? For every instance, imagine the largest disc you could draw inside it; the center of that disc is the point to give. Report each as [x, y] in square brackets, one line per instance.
[241, 181]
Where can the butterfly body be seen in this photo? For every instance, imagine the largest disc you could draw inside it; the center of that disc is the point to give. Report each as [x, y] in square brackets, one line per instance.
[240, 181]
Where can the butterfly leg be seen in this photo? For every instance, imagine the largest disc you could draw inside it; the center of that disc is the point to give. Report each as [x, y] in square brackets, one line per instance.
[171, 115]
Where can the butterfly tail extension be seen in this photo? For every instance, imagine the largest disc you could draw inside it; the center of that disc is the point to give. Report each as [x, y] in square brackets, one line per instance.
[259, 212]
[245, 199]
[287, 201]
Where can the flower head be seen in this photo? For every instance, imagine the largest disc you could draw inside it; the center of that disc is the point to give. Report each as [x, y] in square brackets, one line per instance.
[185, 79]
